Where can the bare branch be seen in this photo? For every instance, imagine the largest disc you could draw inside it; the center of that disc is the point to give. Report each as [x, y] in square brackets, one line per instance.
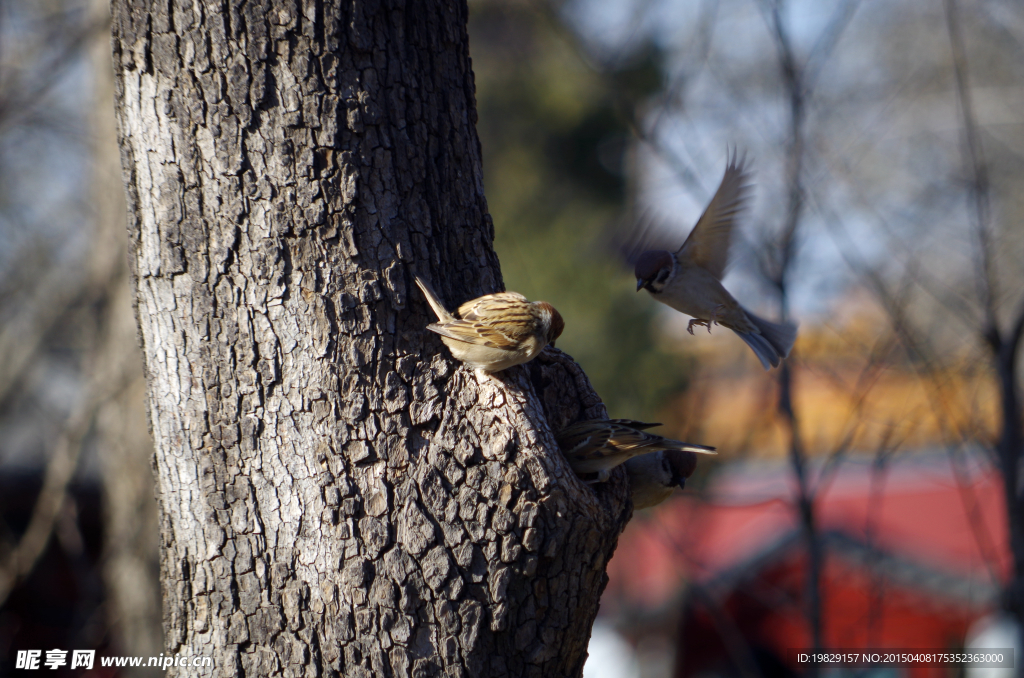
[1013, 339]
[975, 517]
[20, 561]
[735, 642]
[23, 92]
[826, 43]
[22, 335]
[975, 161]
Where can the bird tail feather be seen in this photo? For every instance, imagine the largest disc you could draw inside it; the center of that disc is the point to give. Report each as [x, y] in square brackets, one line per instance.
[690, 447]
[773, 343]
[780, 335]
[442, 313]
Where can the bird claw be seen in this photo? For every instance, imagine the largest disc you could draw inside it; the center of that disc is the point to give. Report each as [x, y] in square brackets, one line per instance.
[695, 321]
[707, 323]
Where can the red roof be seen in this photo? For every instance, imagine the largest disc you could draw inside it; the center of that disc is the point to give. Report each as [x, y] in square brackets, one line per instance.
[933, 513]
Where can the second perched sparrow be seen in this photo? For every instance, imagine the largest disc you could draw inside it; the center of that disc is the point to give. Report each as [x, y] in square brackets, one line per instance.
[688, 280]
[653, 477]
[599, 445]
[496, 331]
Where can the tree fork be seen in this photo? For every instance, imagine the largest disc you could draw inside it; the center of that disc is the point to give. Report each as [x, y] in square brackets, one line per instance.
[337, 495]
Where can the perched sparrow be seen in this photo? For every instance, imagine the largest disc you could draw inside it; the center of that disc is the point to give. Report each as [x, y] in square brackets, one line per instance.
[599, 445]
[688, 280]
[653, 477]
[496, 331]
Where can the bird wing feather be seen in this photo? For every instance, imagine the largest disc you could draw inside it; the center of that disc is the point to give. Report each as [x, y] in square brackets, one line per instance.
[488, 306]
[501, 320]
[708, 244]
[585, 435]
[633, 423]
[597, 438]
[627, 439]
[649, 232]
[475, 333]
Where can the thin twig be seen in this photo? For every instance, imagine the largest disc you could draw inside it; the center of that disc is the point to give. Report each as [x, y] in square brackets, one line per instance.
[21, 560]
[974, 158]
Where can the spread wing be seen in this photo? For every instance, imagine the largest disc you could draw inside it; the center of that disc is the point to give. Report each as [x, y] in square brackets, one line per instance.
[708, 244]
[647, 233]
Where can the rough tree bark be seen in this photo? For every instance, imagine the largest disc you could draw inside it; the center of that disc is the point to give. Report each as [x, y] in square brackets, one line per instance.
[338, 496]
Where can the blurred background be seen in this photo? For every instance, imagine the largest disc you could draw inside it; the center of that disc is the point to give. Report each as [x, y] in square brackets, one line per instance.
[859, 500]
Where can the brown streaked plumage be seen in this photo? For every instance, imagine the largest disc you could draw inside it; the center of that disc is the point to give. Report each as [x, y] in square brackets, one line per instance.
[690, 279]
[496, 331]
[599, 445]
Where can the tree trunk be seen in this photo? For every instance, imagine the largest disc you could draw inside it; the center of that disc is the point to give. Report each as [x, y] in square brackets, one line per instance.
[337, 495]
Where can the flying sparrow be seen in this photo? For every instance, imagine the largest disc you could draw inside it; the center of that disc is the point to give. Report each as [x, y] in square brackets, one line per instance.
[496, 331]
[599, 445]
[653, 477]
[689, 279]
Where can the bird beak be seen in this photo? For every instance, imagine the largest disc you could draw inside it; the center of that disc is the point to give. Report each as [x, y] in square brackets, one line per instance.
[639, 285]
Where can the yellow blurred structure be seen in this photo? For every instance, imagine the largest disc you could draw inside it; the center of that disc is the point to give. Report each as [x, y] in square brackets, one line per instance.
[855, 389]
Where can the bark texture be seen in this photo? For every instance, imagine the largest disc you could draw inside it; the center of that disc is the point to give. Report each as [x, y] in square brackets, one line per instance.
[337, 495]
